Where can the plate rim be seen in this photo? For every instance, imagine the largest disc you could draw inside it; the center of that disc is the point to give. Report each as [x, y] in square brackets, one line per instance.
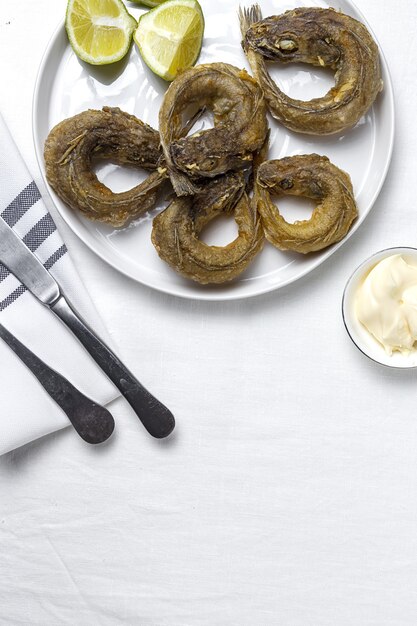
[228, 294]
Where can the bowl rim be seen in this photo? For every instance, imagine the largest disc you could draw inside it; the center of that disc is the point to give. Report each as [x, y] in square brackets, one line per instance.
[353, 275]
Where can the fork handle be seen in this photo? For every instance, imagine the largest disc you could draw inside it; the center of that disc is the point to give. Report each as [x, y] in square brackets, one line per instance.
[157, 419]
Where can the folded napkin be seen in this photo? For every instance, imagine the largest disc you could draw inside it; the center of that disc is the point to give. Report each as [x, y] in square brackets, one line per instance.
[26, 411]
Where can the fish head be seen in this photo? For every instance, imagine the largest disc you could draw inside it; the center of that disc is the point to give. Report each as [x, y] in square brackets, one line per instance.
[203, 155]
[299, 175]
[274, 175]
[291, 39]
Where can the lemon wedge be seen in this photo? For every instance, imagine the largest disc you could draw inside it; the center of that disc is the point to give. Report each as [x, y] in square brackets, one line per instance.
[99, 31]
[170, 36]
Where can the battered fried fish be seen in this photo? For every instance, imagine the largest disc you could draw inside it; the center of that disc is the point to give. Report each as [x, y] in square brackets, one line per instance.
[320, 37]
[107, 134]
[311, 176]
[240, 124]
[176, 230]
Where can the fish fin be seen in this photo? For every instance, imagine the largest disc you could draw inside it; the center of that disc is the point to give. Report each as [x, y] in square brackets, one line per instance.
[270, 89]
[248, 17]
[155, 180]
[192, 121]
[262, 154]
[66, 157]
[182, 184]
[259, 157]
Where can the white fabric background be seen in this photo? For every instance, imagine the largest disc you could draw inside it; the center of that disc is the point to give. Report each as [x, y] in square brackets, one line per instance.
[288, 495]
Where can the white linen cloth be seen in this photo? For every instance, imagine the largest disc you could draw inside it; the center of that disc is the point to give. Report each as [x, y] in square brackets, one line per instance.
[288, 495]
[26, 411]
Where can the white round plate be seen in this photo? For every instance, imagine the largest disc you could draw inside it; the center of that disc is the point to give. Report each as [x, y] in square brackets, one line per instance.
[66, 86]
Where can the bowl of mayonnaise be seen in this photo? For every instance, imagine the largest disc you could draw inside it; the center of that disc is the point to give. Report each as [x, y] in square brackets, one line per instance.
[380, 307]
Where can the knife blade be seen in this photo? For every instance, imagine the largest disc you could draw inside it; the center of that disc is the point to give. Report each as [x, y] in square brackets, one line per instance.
[16, 256]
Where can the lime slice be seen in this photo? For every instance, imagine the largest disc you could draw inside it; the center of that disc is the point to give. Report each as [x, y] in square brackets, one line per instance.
[100, 31]
[170, 37]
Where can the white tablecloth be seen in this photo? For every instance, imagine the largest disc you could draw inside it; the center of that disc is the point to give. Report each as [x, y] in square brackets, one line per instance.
[288, 495]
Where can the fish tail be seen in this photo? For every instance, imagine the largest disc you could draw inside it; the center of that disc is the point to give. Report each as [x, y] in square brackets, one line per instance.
[248, 17]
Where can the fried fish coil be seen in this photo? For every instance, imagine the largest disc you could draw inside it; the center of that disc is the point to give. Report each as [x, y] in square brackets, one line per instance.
[107, 134]
[311, 176]
[176, 230]
[240, 124]
[320, 37]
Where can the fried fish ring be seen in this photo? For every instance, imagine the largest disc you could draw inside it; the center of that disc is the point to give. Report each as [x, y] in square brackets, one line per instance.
[107, 134]
[240, 124]
[321, 37]
[176, 230]
[311, 176]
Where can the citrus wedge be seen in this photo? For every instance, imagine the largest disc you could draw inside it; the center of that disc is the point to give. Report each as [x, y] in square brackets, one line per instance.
[170, 36]
[100, 31]
[149, 3]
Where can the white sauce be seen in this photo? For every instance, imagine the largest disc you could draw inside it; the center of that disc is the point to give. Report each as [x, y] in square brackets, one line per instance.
[386, 304]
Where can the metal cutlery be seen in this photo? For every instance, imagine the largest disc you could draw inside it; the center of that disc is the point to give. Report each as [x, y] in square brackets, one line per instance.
[16, 256]
[92, 422]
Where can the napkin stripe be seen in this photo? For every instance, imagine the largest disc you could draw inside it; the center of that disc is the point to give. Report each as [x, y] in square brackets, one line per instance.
[55, 257]
[38, 233]
[34, 238]
[4, 273]
[13, 296]
[21, 289]
[22, 203]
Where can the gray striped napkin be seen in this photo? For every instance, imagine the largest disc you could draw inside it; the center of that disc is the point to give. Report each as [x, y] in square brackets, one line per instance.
[26, 411]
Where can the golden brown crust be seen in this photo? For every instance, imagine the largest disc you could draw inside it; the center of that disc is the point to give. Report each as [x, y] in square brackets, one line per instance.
[320, 37]
[107, 134]
[240, 124]
[311, 176]
[175, 233]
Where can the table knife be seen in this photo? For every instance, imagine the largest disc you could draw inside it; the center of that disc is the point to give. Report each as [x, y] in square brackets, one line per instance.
[25, 265]
[92, 422]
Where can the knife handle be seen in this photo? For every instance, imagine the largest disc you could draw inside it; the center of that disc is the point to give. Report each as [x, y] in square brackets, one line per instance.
[92, 422]
[156, 418]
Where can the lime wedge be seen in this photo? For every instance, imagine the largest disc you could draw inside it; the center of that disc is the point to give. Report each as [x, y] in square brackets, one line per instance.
[100, 31]
[149, 3]
[170, 37]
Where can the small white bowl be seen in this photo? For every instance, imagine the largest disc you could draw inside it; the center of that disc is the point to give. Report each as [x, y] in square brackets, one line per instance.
[361, 337]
